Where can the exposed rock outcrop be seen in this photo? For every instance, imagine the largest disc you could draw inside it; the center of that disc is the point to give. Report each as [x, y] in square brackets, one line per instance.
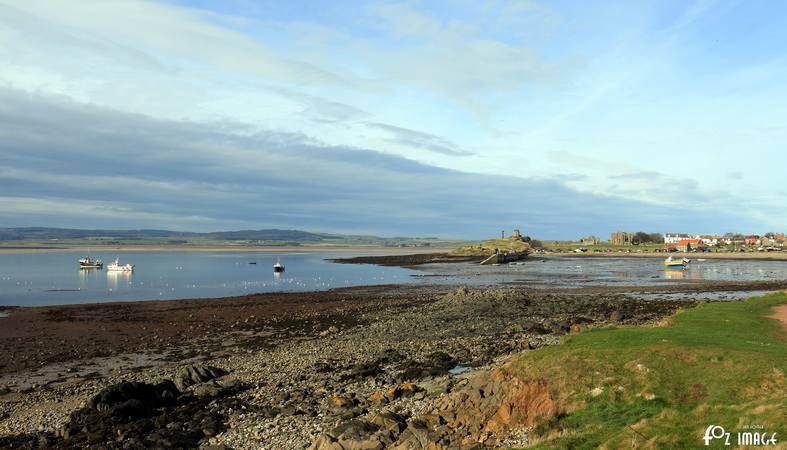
[488, 410]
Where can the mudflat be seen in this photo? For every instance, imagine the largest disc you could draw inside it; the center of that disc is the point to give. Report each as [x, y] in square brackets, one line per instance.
[409, 260]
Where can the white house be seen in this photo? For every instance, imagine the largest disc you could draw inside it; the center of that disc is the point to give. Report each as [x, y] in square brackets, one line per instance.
[674, 238]
[710, 240]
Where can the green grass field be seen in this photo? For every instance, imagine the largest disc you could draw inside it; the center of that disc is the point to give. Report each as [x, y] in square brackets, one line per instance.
[661, 387]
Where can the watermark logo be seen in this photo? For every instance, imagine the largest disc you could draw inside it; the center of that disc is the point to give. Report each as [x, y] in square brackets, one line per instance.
[757, 436]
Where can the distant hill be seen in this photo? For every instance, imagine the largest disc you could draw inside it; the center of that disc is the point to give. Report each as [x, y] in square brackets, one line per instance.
[270, 235]
[37, 233]
[253, 237]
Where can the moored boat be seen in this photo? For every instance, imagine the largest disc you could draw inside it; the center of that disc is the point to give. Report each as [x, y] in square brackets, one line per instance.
[116, 266]
[278, 267]
[89, 263]
[672, 263]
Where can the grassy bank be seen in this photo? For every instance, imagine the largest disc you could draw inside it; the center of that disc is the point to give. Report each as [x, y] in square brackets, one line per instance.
[489, 247]
[661, 387]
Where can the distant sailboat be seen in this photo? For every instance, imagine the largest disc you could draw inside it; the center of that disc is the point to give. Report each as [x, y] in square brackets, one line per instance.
[278, 267]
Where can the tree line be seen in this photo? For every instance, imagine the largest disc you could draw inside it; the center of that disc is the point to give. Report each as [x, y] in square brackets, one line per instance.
[641, 237]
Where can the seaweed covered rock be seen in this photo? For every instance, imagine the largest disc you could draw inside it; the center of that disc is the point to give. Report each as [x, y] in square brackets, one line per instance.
[131, 400]
[195, 374]
[132, 415]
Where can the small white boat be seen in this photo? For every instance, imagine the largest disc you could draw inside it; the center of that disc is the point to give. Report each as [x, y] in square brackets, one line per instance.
[116, 266]
[278, 267]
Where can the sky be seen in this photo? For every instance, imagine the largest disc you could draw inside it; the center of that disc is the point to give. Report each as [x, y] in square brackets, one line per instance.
[456, 119]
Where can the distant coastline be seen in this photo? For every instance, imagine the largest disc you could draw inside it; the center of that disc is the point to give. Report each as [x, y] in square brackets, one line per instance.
[16, 248]
[38, 248]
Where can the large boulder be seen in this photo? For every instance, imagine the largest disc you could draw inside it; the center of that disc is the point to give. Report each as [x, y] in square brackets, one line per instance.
[377, 433]
[141, 415]
[197, 373]
[435, 364]
[132, 400]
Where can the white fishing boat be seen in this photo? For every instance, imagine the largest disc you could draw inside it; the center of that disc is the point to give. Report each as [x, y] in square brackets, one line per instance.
[116, 266]
[278, 267]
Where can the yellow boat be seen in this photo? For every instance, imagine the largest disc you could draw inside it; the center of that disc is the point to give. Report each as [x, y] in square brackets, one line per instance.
[671, 263]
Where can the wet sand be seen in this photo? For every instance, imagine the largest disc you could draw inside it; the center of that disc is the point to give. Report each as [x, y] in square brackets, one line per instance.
[34, 337]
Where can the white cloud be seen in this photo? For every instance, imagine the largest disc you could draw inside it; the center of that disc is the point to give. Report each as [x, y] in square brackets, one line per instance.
[114, 169]
[509, 86]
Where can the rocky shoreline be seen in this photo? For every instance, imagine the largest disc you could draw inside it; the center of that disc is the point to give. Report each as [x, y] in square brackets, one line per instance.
[366, 367]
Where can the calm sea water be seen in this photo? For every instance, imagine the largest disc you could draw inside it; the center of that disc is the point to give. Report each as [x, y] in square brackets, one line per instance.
[34, 279]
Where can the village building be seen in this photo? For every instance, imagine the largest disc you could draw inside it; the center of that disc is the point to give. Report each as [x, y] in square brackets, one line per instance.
[687, 245]
[752, 240]
[768, 241]
[711, 240]
[590, 240]
[674, 238]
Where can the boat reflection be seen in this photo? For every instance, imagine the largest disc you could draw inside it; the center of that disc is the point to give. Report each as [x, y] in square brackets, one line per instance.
[691, 273]
[674, 274]
[117, 279]
[88, 274]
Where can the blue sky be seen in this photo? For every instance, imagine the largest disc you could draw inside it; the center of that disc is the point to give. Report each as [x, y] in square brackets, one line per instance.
[560, 118]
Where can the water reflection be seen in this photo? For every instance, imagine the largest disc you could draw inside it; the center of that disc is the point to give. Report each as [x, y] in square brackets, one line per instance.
[28, 278]
[573, 271]
[674, 274]
[118, 279]
[88, 274]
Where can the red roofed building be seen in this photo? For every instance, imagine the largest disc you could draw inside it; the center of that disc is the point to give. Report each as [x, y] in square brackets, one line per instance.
[687, 245]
